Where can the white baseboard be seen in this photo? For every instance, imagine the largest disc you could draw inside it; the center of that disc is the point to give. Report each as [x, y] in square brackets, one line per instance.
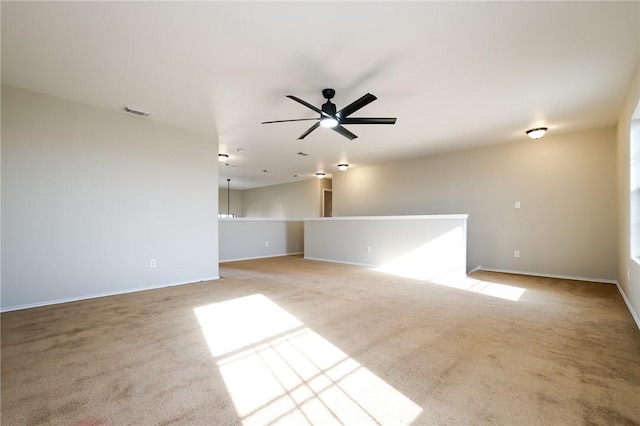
[368, 265]
[535, 274]
[477, 268]
[260, 257]
[628, 303]
[97, 295]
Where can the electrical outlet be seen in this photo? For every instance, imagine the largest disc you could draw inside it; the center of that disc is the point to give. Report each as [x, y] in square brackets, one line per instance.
[152, 263]
[516, 253]
[368, 249]
[266, 243]
[517, 204]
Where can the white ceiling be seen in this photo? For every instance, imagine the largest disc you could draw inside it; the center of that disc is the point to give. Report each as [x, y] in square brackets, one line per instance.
[457, 75]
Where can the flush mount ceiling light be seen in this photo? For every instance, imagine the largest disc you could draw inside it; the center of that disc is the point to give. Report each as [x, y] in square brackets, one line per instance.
[320, 175]
[536, 133]
[342, 167]
[222, 157]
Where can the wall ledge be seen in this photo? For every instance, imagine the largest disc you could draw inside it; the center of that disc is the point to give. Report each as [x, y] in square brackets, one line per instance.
[400, 217]
[259, 219]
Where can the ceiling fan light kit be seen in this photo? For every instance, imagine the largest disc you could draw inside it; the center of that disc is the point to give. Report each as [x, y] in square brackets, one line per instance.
[333, 119]
[328, 122]
[536, 133]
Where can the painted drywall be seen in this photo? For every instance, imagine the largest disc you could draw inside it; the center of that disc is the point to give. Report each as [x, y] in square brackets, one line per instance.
[420, 247]
[90, 196]
[234, 201]
[289, 200]
[1, 88]
[628, 268]
[252, 238]
[565, 184]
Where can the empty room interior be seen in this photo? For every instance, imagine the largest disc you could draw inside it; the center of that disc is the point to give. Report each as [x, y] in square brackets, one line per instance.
[350, 213]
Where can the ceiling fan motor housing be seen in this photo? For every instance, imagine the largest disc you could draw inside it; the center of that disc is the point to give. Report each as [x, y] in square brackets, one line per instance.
[328, 93]
[329, 108]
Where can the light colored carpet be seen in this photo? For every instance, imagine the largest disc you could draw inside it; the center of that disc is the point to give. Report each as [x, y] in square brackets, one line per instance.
[290, 341]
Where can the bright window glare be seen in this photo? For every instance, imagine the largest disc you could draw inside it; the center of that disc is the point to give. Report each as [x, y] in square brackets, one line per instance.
[290, 374]
[435, 258]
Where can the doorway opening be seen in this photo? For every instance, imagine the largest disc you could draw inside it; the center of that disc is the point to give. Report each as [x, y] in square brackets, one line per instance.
[327, 203]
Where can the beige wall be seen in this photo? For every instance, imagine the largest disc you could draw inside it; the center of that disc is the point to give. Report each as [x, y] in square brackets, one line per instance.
[566, 185]
[419, 247]
[90, 196]
[628, 268]
[253, 238]
[291, 200]
[235, 201]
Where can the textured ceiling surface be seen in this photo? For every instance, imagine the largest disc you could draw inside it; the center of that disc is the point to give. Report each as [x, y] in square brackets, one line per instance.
[457, 75]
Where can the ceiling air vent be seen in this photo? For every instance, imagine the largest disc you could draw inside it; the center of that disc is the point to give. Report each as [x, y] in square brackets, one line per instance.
[135, 111]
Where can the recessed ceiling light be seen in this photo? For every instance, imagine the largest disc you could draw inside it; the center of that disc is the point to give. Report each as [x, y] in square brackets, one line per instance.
[342, 167]
[536, 133]
[222, 157]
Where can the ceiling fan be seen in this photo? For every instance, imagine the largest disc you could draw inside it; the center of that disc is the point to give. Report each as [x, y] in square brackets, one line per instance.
[334, 120]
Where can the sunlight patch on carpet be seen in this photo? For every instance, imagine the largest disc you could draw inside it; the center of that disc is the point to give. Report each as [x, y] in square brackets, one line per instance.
[231, 325]
[279, 371]
[441, 261]
[487, 288]
[459, 280]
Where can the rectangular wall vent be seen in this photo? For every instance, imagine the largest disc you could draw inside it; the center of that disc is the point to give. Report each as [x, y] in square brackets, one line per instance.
[136, 111]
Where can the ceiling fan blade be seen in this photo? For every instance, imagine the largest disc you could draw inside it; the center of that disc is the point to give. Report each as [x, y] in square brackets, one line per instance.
[284, 121]
[368, 120]
[309, 130]
[356, 105]
[307, 104]
[344, 132]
